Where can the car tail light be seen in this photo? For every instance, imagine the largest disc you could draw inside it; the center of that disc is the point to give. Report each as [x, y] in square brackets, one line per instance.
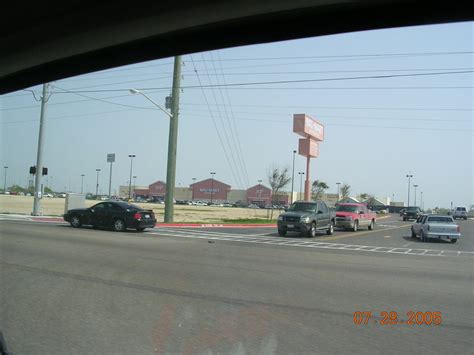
[137, 216]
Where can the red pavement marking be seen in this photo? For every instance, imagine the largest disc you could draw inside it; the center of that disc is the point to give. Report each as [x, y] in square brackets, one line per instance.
[175, 225]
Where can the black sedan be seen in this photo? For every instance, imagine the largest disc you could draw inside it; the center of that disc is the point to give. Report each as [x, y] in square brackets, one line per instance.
[115, 214]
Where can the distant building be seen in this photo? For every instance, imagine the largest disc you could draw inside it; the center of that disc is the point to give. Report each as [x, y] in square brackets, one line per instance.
[210, 189]
[259, 195]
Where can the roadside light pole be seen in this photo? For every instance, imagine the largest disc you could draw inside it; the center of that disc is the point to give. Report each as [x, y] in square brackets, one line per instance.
[131, 156]
[134, 184]
[212, 185]
[5, 179]
[97, 184]
[173, 138]
[415, 186]
[82, 183]
[292, 177]
[194, 181]
[338, 183]
[421, 200]
[409, 176]
[301, 173]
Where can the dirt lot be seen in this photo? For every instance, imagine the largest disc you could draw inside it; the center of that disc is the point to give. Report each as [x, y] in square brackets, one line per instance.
[207, 214]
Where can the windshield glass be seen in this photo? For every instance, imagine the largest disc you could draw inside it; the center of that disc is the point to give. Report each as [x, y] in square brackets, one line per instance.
[231, 153]
[346, 208]
[304, 207]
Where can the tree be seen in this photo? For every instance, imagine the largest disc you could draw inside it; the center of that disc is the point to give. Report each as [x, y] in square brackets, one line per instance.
[363, 196]
[318, 188]
[345, 191]
[278, 179]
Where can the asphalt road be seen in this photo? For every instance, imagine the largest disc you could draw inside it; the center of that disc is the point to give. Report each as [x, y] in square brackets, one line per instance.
[66, 290]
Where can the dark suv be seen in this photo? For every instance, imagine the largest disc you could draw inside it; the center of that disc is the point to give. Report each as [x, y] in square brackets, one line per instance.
[411, 213]
[307, 218]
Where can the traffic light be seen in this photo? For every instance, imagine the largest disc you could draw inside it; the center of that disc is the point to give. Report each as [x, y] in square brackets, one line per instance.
[32, 170]
[45, 171]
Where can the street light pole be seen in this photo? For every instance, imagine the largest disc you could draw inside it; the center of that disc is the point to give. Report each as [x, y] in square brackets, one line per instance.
[212, 185]
[82, 183]
[301, 173]
[97, 185]
[415, 186]
[5, 180]
[338, 183]
[134, 184]
[421, 200]
[39, 156]
[409, 176]
[292, 177]
[194, 182]
[131, 156]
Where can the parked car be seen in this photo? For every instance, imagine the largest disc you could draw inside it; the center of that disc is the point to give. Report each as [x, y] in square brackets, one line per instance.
[117, 215]
[307, 218]
[437, 227]
[460, 212]
[354, 215]
[411, 213]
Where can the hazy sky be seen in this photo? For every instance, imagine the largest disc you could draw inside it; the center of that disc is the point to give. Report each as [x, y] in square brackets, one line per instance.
[377, 129]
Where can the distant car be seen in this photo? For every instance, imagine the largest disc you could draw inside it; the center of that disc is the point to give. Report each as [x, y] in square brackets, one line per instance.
[113, 214]
[460, 212]
[434, 226]
[411, 213]
[48, 195]
[402, 211]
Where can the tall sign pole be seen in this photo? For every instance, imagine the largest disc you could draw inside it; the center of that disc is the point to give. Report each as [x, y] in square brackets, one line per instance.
[172, 142]
[313, 132]
[111, 160]
[39, 156]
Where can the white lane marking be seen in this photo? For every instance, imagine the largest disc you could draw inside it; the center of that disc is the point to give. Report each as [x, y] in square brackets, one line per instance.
[387, 236]
[314, 244]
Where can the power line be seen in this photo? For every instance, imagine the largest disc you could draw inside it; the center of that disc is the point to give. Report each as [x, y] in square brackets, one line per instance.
[239, 144]
[258, 83]
[221, 119]
[232, 129]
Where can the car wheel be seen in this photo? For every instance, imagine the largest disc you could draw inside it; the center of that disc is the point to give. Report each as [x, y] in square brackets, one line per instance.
[312, 231]
[76, 221]
[454, 240]
[330, 230]
[140, 229]
[119, 225]
[423, 238]
[355, 227]
[413, 235]
[404, 219]
[465, 218]
[371, 225]
[281, 232]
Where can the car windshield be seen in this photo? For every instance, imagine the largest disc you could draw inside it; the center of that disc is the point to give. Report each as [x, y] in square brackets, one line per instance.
[302, 207]
[440, 219]
[243, 224]
[346, 208]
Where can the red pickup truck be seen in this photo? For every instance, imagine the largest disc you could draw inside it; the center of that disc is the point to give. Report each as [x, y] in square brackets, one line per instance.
[354, 215]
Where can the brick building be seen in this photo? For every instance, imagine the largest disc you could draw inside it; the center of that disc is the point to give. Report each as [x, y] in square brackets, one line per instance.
[210, 189]
[259, 195]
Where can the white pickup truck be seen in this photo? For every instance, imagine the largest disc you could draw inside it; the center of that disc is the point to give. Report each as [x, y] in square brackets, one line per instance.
[433, 226]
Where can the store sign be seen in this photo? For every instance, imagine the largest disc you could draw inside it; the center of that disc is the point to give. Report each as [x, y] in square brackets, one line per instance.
[308, 148]
[308, 127]
[209, 191]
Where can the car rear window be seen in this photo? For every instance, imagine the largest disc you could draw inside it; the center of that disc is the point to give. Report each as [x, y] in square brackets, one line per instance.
[440, 219]
[461, 209]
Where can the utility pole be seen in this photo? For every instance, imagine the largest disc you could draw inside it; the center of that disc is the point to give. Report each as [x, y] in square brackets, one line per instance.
[212, 185]
[338, 183]
[292, 177]
[131, 156]
[409, 176]
[5, 179]
[39, 157]
[173, 142]
[415, 186]
[97, 185]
